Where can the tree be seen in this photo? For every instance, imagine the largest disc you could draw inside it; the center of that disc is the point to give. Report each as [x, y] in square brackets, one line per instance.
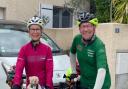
[78, 5]
[103, 10]
[120, 11]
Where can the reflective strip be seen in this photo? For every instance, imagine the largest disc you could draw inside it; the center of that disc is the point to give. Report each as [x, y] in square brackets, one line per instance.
[20, 58]
[43, 58]
[49, 59]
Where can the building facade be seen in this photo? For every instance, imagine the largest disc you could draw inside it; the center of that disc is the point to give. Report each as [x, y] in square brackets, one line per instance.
[59, 16]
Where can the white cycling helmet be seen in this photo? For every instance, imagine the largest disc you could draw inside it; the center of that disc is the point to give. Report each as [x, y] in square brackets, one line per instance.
[35, 20]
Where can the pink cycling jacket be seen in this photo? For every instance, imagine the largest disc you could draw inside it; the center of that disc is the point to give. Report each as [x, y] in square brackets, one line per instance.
[38, 61]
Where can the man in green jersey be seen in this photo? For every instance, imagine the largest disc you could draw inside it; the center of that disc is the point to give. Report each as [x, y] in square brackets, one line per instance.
[91, 55]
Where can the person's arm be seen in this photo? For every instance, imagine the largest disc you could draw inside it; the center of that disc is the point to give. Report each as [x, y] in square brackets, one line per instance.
[49, 69]
[101, 60]
[73, 62]
[19, 68]
[100, 78]
[73, 55]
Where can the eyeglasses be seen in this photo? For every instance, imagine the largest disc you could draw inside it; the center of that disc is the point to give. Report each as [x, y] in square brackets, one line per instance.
[35, 30]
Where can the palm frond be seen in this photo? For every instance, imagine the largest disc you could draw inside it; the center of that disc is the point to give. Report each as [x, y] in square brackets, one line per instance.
[120, 14]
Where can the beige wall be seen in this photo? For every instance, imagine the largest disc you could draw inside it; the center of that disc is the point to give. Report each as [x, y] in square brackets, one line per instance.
[106, 31]
[63, 37]
[24, 9]
[54, 2]
[17, 10]
[10, 10]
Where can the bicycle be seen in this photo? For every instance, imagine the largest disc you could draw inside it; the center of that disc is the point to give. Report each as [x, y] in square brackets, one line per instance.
[34, 83]
[10, 72]
[73, 83]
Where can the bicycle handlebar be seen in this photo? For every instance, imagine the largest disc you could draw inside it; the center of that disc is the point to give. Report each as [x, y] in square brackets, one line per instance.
[72, 76]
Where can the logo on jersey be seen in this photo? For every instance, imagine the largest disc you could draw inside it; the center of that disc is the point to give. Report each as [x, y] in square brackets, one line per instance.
[79, 47]
[36, 58]
[90, 53]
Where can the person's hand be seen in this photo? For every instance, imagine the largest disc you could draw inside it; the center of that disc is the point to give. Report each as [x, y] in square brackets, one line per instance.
[72, 76]
[16, 87]
[78, 78]
[34, 80]
[9, 82]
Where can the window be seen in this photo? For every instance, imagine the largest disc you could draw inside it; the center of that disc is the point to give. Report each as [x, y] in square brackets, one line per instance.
[2, 13]
[62, 18]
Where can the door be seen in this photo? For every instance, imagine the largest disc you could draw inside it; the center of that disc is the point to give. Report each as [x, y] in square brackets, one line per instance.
[122, 70]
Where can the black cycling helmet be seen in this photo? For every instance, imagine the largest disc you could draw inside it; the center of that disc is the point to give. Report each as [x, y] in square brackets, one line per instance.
[87, 17]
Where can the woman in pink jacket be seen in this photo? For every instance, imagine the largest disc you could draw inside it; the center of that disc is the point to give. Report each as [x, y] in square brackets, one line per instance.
[35, 57]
